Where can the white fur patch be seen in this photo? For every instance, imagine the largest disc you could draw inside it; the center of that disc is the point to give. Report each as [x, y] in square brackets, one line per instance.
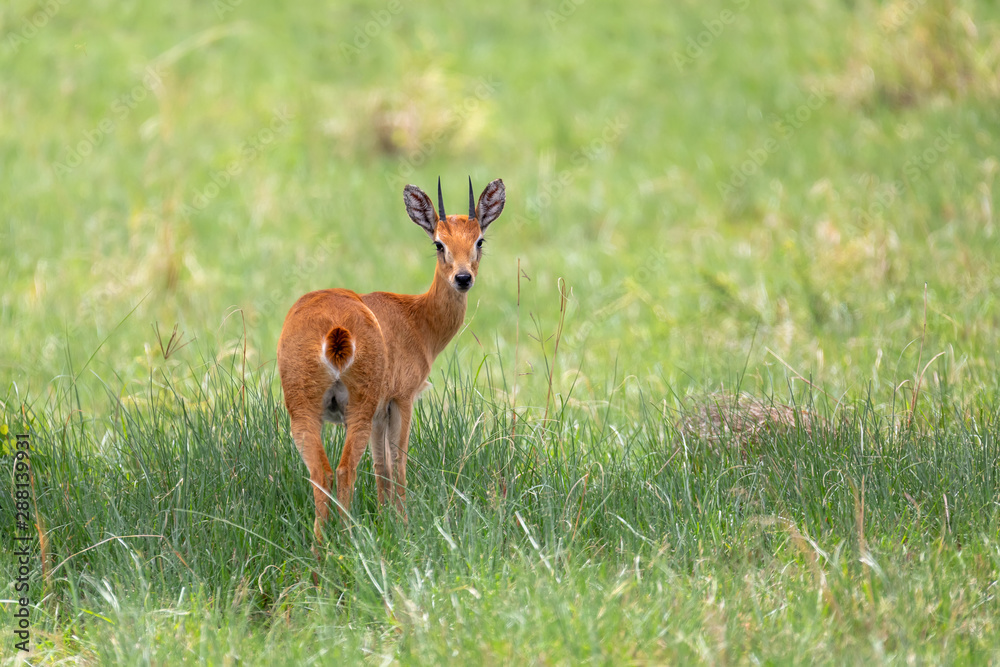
[447, 251]
[326, 362]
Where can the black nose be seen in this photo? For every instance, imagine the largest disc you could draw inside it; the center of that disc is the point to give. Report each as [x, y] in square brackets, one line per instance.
[463, 281]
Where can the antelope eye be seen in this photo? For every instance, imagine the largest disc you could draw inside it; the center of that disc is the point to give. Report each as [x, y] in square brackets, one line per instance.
[439, 246]
[479, 243]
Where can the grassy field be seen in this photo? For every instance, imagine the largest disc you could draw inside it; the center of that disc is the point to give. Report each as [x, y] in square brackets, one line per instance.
[728, 390]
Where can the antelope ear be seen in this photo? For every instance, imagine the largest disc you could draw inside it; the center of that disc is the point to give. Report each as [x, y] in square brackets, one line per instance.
[490, 203]
[420, 209]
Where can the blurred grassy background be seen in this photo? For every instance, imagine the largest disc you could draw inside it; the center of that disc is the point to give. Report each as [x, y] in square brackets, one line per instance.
[702, 176]
[734, 193]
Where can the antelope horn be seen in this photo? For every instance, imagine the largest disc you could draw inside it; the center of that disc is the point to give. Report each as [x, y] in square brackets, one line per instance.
[472, 201]
[440, 200]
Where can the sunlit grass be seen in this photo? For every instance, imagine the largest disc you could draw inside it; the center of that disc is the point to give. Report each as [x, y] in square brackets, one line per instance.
[798, 210]
[618, 538]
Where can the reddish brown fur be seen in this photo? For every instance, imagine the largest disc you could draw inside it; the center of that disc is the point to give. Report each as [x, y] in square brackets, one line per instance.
[339, 348]
[396, 338]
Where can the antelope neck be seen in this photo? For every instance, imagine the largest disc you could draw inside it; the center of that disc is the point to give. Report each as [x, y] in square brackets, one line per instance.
[443, 310]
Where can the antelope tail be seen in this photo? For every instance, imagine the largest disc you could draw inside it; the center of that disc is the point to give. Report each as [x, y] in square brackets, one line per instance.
[338, 350]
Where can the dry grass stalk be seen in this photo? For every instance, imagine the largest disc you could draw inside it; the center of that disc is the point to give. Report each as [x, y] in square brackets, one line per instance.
[744, 418]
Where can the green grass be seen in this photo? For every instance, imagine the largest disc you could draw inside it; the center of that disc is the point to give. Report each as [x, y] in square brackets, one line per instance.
[612, 539]
[801, 206]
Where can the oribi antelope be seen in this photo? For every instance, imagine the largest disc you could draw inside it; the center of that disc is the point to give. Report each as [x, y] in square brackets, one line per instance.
[362, 359]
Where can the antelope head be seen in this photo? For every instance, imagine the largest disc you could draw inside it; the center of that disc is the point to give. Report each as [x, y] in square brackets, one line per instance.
[458, 239]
